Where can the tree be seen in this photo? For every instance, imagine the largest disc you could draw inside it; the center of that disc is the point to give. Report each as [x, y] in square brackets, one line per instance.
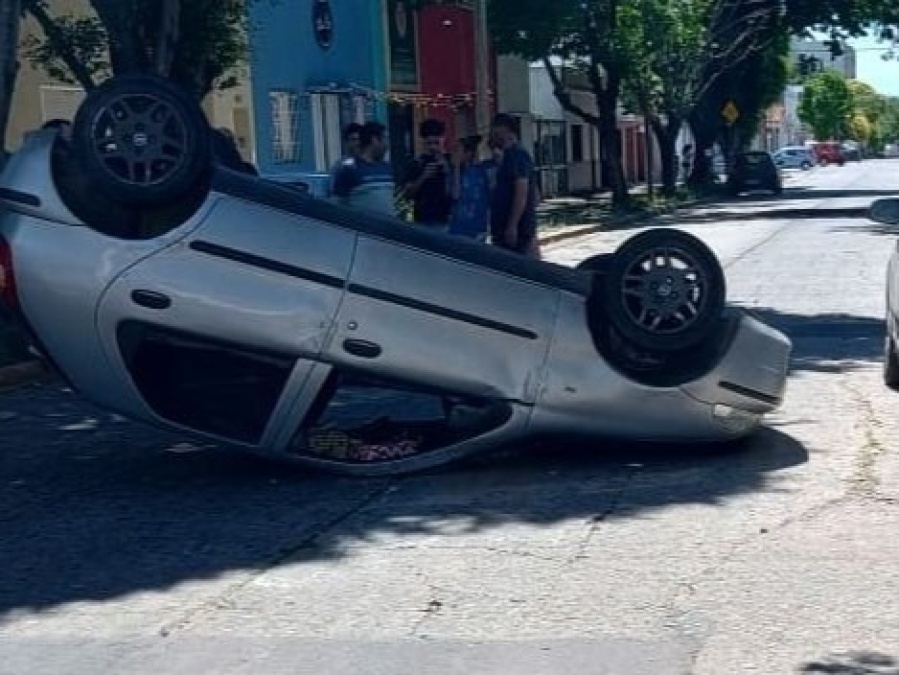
[869, 105]
[10, 11]
[680, 48]
[889, 123]
[195, 43]
[860, 128]
[584, 35]
[669, 43]
[753, 86]
[827, 105]
[607, 40]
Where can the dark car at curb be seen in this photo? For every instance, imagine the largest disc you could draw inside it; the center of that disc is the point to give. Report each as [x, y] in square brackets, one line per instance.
[754, 171]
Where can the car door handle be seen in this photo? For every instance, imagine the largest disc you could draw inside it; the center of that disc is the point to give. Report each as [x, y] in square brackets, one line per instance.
[151, 299]
[362, 348]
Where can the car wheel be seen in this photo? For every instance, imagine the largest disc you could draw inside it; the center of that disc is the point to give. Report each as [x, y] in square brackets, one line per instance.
[664, 290]
[806, 166]
[595, 263]
[142, 142]
[890, 364]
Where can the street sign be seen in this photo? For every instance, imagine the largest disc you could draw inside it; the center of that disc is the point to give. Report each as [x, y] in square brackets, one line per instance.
[730, 112]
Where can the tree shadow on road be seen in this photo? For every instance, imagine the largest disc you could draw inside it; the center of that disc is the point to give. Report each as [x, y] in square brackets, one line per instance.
[879, 229]
[94, 508]
[828, 343]
[831, 193]
[854, 663]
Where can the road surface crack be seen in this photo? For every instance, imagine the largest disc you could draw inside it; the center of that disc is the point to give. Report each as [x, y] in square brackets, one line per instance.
[596, 521]
[227, 599]
[865, 480]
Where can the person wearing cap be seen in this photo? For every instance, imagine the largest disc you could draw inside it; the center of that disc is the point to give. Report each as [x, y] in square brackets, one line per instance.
[470, 191]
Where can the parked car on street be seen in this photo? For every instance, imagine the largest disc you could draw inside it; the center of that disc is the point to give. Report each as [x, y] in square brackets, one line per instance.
[752, 171]
[886, 211]
[794, 157]
[231, 308]
[829, 152]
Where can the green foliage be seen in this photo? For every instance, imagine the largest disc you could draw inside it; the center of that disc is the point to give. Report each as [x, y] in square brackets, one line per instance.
[888, 124]
[123, 35]
[827, 105]
[670, 44]
[81, 38]
[840, 17]
[867, 100]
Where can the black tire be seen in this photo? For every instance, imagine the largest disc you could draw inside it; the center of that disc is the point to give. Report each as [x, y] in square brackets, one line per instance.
[890, 364]
[664, 307]
[595, 263]
[142, 142]
[806, 166]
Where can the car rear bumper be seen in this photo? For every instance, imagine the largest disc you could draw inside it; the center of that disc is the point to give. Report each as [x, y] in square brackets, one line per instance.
[751, 377]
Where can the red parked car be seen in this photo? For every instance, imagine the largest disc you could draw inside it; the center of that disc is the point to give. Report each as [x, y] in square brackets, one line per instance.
[829, 152]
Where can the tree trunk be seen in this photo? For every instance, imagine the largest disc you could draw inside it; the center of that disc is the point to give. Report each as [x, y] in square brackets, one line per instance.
[704, 135]
[667, 136]
[10, 17]
[126, 49]
[610, 145]
[605, 93]
[169, 34]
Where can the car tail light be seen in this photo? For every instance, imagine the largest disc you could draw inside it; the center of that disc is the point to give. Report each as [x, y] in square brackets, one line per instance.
[8, 294]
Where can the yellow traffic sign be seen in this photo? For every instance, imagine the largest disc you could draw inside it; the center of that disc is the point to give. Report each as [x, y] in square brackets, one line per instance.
[730, 112]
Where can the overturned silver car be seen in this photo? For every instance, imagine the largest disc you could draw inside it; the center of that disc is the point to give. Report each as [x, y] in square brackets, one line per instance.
[177, 292]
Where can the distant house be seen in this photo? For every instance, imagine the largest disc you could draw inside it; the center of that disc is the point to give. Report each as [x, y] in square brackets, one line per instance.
[567, 149]
[317, 66]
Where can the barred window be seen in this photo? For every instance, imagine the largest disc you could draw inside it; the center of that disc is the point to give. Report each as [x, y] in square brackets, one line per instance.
[285, 127]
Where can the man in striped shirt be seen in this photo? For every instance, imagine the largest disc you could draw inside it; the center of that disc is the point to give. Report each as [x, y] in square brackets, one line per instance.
[366, 182]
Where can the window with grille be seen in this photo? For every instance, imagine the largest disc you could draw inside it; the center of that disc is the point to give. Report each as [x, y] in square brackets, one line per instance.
[285, 127]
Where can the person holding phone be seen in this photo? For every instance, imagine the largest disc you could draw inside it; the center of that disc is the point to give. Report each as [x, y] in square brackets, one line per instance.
[428, 182]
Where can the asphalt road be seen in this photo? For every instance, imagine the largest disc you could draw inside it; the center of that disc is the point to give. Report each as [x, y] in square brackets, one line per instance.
[126, 550]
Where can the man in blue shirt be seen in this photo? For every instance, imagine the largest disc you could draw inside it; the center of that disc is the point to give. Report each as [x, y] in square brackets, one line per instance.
[366, 182]
[351, 143]
[471, 192]
[513, 216]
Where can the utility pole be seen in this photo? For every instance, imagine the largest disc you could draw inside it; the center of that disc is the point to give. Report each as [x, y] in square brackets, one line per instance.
[482, 67]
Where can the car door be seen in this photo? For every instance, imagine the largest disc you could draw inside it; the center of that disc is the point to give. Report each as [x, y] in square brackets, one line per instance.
[416, 316]
[220, 332]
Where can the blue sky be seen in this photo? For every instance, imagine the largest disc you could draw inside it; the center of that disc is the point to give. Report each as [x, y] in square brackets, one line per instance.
[880, 74]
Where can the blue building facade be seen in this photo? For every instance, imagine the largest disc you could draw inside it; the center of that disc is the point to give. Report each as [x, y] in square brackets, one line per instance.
[314, 66]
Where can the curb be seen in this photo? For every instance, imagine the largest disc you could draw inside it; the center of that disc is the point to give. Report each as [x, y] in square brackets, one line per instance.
[575, 231]
[20, 374]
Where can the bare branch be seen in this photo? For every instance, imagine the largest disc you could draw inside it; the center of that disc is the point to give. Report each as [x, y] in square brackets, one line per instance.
[564, 96]
[53, 33]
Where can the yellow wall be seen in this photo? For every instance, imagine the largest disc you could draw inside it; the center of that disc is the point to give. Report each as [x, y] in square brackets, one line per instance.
[38, 98]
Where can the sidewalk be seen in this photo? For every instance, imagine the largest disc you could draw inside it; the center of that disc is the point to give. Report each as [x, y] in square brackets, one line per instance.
[564, 218]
